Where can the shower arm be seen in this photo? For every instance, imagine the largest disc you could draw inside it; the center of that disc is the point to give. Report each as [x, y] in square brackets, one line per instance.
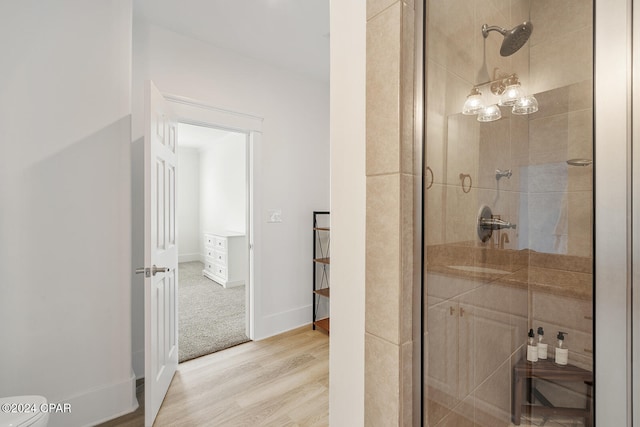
[486, 29]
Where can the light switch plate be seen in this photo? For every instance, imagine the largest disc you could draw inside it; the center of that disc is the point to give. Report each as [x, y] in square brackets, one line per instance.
[274, 215]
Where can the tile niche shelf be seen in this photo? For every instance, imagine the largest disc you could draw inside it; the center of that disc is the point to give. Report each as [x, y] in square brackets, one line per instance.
[321, 263]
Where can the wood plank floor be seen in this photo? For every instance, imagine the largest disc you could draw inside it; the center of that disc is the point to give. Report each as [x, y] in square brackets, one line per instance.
[280, 381]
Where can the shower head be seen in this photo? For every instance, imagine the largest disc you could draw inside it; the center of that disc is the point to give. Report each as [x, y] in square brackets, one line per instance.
[514, 39]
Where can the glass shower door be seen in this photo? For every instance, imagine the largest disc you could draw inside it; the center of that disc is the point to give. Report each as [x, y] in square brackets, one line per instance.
[508, 213]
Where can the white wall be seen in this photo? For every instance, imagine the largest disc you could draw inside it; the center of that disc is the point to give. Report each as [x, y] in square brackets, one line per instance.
[65, 211]
[348, 190]
[295, 152]
[212, 191]
[612, 231]
[223, 185]
[188, 215]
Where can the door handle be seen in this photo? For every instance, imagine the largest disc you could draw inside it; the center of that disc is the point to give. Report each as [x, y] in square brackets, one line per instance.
[148, 272]
[155, 270]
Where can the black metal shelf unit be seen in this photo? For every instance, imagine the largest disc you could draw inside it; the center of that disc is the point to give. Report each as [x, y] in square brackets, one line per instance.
[321, 263]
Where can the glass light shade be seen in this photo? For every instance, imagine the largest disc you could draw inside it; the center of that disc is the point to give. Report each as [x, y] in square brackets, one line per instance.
[489, 114]
[510, 95]
[473, 104]
[525, 105]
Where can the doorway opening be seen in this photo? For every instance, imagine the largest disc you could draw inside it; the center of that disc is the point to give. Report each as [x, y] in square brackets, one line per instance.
[246, 131]
[212, 224]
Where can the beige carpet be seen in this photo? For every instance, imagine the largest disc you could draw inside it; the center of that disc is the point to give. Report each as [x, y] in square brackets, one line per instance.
[211, 318]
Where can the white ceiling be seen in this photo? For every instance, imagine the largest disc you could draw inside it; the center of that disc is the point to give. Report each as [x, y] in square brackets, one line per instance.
[293, 34]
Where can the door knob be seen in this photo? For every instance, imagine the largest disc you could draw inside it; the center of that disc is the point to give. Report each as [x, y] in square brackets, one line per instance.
[148, 272]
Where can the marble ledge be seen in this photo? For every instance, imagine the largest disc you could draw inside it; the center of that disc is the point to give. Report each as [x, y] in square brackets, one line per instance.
[561, 275]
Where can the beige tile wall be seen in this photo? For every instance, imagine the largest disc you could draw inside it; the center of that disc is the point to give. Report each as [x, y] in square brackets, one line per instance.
[392, 176]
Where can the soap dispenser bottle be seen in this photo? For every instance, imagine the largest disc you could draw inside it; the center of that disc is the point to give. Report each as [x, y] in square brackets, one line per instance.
[542, 347]
[562, 353]
[532, 348]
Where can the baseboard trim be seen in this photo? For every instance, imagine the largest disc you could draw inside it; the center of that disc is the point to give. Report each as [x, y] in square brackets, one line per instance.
[189, 257]
[98, 405]
[138, 363]
[278, 323]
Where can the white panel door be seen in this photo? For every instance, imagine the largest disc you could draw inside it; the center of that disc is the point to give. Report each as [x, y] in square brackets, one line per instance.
[161, 255]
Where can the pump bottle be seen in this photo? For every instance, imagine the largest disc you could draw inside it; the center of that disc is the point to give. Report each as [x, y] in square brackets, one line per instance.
[532, 348]
[562, 353]
[542, 347]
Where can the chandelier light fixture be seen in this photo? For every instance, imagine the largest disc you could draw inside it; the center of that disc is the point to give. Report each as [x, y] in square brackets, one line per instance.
[509, 93]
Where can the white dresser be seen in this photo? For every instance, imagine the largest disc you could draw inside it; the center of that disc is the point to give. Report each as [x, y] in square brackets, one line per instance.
[225, 258]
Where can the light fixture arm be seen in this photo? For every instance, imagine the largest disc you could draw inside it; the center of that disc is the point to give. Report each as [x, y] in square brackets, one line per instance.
[499, 83]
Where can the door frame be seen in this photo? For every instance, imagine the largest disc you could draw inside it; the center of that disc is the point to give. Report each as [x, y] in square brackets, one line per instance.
[197, 113]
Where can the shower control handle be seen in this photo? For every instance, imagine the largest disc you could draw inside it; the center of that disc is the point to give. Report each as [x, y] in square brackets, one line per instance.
[494, 224]
[487, 222]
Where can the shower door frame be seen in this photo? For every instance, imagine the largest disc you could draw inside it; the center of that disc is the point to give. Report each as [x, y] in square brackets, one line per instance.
[634, 287]
[616, 209]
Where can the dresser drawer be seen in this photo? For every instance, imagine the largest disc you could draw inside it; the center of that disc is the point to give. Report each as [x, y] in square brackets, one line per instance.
[220, 257]
[220, 271]
[210, 264]
[220, 243]
[209, 241]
